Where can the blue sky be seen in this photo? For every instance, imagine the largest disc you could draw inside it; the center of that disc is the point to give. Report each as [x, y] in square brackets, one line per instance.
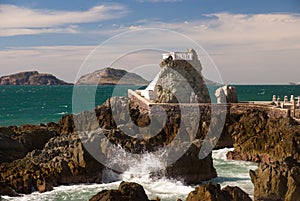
[250, 41]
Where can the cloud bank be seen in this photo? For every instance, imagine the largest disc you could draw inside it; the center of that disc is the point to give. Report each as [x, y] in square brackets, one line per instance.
[17, 20]
[258, 48]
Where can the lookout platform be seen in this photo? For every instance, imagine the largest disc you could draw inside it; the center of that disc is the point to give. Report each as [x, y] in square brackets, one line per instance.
[270, 108]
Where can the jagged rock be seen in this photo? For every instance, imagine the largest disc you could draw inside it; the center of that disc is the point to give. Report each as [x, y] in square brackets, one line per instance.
[213, 192]
[10, 149]
[181, 81]
[128, 191]
[66, 125]
[192, 169]
[62, 161]
[260, 137]
[111, 76]
[234, 193]
[7, 190]
[18, 141]
[31, 78]
[277, 181]
[187, 167]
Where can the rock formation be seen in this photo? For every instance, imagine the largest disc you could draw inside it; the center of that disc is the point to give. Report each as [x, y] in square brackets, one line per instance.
[128, 191]
[10, 149]
[55, 154]
[181, 81]
[16, 142]
[120, 130]
[62, 161]
[213, 192]
[111, 76]
[260, 137]
[31, 78]
[277, 181]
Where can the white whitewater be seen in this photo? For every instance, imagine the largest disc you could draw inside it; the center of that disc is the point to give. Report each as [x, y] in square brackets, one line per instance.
[234, 173]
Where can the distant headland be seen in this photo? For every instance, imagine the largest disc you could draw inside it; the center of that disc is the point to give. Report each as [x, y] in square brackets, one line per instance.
[31, 78]
[106, 76]
[111, 76]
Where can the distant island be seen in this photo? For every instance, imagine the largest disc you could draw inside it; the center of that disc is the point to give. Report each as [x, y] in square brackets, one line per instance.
[106, 76]
[111, 76]
[31, 78]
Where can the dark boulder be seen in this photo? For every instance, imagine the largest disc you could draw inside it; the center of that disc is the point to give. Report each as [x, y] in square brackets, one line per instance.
[213, 192]
[277, 181]
[10, 149]
[127, 191]
[260, 136]
[63, 161]
[7, 190]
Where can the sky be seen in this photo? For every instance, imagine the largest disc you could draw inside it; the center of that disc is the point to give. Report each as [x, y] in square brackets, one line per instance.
[238, 42]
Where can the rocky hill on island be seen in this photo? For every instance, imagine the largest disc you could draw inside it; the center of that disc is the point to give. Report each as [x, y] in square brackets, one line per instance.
[111, 76]
[31, 78]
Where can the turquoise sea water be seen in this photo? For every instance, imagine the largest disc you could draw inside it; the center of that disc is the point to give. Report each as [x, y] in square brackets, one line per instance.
[42, 104]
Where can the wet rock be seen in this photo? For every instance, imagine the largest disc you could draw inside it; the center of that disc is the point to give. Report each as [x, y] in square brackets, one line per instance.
[131, 121]
[261, 137]
[62, 161]
[16, 142]
[213, 192]
[234, 193]
[66, 125]
[277, 181]
[7, 190]
[127, 191]
[191, 169]
[10, 149]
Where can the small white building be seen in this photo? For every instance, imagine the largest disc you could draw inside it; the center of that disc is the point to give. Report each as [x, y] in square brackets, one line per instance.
[149, 93]
[189, 55]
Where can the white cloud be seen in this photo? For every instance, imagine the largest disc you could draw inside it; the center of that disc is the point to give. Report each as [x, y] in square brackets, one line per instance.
[28, 31]
[17, 20]
[230, 29]
[260, 48]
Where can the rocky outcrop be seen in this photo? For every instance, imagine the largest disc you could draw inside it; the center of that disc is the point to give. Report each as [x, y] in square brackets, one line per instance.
[16, 142]
[57, 156]
[278, 181]
[122, 129]
[213, 192]
[31, 78]
[111, 76]
[191, 169]
[7, 190]
[62, 161]
[181, 81]
[127, 191]
[10, 149]
[261, 137]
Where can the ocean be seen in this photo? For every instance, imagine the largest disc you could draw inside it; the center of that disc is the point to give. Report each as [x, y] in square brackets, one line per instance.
[41, 104]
